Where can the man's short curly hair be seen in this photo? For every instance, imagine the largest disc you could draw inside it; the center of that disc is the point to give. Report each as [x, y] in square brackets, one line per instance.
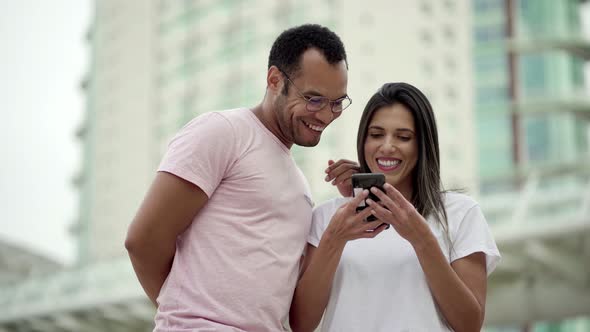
[287, 49]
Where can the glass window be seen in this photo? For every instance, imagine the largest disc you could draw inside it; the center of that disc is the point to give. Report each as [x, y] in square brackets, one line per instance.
[426, 7]
[449, 33]
[493, 94]
[428, 68]
[450, 5]
[491, 62]
[578, 72]
[451, 92]
[489, 33]
[537, 139]
[450, 63]
[533, 71]
[488, 5]
[426, 36]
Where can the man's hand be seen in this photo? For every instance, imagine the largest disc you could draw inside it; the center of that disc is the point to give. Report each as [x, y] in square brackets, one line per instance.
[340, 173]
[167, 210]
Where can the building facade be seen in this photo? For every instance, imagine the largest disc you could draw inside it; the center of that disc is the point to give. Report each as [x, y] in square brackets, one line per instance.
[533, 129]
[158, 64]
[504, 78]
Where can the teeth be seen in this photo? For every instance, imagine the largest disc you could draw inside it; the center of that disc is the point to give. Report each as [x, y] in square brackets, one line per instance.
[314, 127]
[388, 163]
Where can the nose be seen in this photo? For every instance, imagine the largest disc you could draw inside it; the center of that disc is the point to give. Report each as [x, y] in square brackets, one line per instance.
[325, 115]
[388, 145]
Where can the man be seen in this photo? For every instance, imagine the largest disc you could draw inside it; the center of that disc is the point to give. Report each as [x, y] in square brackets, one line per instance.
[217, 242]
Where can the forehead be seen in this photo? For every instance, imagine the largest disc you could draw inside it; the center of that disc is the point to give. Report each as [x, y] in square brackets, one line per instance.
[393, 117]
[317, 75]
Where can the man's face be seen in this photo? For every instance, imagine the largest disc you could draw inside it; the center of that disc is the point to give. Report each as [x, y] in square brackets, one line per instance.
[316, 77]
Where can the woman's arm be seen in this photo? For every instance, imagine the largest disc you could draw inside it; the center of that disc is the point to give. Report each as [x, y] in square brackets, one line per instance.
[458, 288]
[319, 265]
[313, 289]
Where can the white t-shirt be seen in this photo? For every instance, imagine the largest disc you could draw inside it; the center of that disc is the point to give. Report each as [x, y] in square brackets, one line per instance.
[236, 265]
[379, 284]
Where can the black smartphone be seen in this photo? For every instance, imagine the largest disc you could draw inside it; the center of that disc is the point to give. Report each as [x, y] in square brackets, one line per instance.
[361, 181]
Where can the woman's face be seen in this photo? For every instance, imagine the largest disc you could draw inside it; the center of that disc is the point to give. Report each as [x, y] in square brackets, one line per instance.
[391, 146]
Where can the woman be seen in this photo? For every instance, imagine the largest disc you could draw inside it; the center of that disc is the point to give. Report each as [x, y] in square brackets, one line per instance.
[428, 271]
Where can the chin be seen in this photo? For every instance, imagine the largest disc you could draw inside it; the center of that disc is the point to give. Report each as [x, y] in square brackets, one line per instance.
[307, 141]
[307, 144]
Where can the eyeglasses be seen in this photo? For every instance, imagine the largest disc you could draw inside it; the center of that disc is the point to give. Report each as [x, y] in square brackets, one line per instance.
[317, 103]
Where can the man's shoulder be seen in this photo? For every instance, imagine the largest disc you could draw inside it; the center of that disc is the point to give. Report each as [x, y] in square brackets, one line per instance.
[218, 122]
[235, 115]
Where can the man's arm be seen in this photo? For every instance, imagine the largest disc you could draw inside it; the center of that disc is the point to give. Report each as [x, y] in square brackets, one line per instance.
[167, 210]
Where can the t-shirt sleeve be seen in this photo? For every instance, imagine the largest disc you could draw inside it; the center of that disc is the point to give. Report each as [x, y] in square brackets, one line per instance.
[202, 152]
[473, 235]
[319, 222]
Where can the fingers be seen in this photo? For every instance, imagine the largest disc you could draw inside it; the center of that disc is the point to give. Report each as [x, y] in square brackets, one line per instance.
[364, 214]
[385, 199]
[399, 200]
[340, 167]
[353, 203]
[375, 232]
[345, 176]
[383, 214]
[332, 164]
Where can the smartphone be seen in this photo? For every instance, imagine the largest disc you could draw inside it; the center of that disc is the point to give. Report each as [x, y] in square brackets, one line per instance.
[362, 181]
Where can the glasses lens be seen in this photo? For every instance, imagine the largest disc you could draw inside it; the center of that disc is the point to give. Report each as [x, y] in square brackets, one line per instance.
[315, 104]
[341, 104]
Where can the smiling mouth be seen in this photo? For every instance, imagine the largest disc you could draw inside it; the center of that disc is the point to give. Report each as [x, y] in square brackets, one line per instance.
[388, 164]
[315, 128]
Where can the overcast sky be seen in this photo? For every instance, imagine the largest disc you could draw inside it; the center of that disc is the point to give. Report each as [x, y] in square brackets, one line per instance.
[43, 56]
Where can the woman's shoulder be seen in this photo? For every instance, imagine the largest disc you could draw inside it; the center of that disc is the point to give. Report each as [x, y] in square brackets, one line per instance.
[458, 198]
[457, 203]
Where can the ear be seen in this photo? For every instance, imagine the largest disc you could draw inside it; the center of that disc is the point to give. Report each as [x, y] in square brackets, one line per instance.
[274, 79]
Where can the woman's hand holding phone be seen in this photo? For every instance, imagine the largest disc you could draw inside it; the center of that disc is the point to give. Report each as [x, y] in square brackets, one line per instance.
[395, 210]
[347, 224]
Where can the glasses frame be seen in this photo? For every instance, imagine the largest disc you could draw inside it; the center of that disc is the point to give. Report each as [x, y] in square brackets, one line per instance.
[325, 102]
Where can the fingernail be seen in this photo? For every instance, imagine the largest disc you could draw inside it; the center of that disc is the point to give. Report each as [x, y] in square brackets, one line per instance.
[327, 178]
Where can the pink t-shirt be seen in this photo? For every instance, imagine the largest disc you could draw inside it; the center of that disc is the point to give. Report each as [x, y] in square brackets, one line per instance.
[237, 264]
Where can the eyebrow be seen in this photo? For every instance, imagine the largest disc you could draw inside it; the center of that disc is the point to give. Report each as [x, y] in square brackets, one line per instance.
[398, 129]
[317, 94]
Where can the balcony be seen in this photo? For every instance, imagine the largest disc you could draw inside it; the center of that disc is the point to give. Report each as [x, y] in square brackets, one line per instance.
[574, 45]
[88, 298]
[543, 232]
[576, 104]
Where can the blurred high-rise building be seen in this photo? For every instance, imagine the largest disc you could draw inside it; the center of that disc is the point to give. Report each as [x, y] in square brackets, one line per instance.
[533, 131]
[158, 64]
[504, 77]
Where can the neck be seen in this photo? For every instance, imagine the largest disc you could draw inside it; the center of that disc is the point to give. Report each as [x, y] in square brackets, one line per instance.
[268, 117]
